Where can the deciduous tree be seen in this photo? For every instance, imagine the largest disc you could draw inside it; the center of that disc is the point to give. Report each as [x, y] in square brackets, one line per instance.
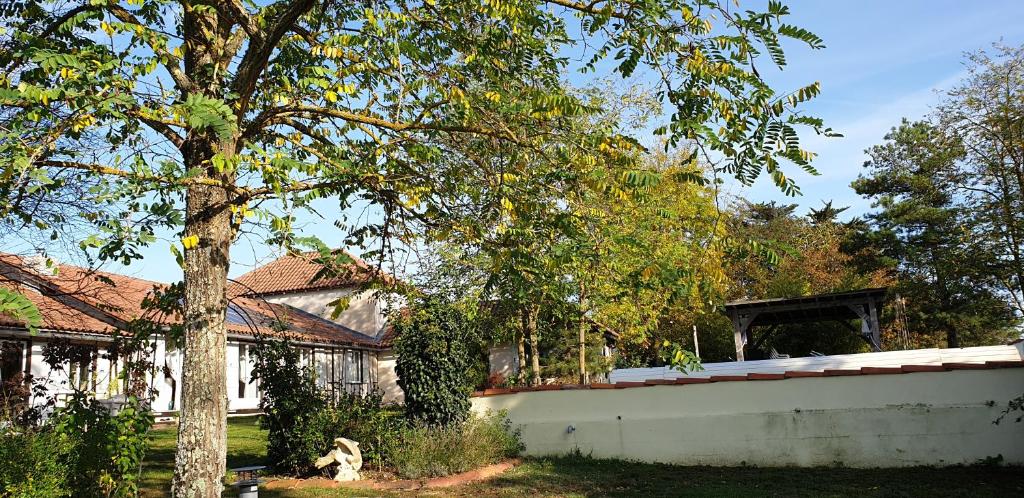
[202, 117]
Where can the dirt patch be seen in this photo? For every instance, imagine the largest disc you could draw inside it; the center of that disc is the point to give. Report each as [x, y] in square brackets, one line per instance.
[481, 474]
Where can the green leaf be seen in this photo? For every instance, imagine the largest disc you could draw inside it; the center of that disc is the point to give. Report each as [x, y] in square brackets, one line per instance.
[15, 304]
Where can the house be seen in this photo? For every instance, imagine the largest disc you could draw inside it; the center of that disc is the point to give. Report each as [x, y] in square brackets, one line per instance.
[89, 308]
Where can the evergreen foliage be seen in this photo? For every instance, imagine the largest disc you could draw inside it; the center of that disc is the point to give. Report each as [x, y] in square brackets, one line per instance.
[432, 361]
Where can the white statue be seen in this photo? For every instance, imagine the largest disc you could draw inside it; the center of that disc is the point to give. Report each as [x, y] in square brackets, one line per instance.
[348, 457]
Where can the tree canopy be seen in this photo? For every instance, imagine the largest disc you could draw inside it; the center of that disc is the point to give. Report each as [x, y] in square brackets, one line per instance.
[211, 119]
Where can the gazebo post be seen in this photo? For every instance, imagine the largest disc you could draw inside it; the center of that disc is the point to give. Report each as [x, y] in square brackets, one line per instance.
[741, 327]
[875, 326]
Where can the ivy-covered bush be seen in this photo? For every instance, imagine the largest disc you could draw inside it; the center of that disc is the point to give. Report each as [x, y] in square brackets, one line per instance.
[433, 358]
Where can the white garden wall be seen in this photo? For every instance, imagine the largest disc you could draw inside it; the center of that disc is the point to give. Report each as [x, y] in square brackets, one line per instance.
[890, 420]
[933, 356]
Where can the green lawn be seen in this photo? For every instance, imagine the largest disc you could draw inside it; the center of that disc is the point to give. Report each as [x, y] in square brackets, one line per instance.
[247, 445]
[581, 477]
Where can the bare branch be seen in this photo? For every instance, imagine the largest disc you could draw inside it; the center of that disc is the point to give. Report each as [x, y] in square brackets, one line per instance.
[102, 169]
[587, 8]
[268, 117]
[160, 127]
[258, 53]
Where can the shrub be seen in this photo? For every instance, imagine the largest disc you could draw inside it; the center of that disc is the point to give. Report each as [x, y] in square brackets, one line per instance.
[433, 359]
[105, 451]
[432, 451]
[33, 463]
[302, 420]
[296, 411]
[371, 422]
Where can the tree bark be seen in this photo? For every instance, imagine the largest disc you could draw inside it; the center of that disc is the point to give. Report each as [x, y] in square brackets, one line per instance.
[521, 347]
[584, 378]
[201, 455]
[534, 350]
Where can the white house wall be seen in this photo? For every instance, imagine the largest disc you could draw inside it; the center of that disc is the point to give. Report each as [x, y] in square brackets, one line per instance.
[329, 366]
[365, 314]
[387, 378]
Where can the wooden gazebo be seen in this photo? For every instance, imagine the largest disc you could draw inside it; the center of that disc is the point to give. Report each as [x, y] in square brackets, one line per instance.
[863, 305]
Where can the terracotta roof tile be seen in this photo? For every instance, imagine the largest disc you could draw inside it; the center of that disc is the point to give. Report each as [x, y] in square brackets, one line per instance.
[56, 315]
[765, 376]
[964, 366]
[82, 300]
[880, 370]
[659, 382]
[792, 374]
[841, 372]
[300, 272]
[727, 378]
[691, 380]
[626, 385]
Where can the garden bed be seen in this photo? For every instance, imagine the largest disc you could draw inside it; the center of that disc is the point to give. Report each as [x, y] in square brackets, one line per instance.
[377, 481]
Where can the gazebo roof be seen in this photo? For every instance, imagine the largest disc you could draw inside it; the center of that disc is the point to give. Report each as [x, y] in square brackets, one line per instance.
[863, 304]
[818, 307]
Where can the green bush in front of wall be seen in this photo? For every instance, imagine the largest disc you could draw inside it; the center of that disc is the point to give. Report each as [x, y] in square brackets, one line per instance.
[303, 419]
[106, 449]
[296, 412]
[433, 360]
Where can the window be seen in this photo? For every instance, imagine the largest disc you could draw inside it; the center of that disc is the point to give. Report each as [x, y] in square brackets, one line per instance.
[80, 375]
[12, 361]
[243, 370]
[12, 369]
[354, 366]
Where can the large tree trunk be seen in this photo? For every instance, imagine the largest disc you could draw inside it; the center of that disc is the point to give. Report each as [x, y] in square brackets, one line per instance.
[201, 455]
[202, 430]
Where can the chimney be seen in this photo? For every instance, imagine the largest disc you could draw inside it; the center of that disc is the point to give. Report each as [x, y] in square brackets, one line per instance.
[41, 264]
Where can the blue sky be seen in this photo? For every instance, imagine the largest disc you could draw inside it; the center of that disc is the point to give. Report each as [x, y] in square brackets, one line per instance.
[883, 61]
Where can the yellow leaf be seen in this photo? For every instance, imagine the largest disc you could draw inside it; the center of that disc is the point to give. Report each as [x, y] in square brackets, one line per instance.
[190, 241]
[331, 96]
[107, 28]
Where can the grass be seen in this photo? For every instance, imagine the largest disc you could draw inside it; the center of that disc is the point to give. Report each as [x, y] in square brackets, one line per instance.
[247, 445]
[583, 477]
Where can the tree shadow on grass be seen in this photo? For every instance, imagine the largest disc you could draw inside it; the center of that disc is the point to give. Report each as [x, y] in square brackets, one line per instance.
[585, 477]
